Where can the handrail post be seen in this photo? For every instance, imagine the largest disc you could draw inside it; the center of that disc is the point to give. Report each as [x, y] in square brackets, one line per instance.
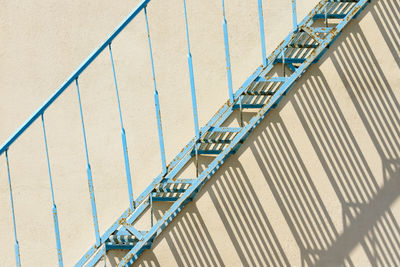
[192, 87]
[123, 136]
[156, 102]
[193, 92]
[294, 15]
[89, 172]
[227, 55]
[54, 209]
[16, 244]
[73, 76]
[262, 33]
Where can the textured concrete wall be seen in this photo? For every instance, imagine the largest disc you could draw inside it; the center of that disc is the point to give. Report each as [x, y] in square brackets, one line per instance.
[317, 183]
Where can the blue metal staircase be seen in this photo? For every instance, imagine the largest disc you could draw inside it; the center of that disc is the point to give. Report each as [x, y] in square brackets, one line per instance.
[262, 91]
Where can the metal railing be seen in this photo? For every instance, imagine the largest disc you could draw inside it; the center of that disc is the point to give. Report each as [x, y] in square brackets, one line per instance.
[317, 41]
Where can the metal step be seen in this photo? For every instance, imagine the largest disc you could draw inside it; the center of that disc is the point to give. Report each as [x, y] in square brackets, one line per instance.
[261, 92]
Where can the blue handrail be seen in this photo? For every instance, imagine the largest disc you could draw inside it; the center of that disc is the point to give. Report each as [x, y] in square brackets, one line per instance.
[212, 139]
[73, 76]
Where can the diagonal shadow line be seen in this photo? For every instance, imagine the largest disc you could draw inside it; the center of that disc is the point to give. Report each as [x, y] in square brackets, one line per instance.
[389, 27]
[189, 239]
[231, 229]
[242, 221]
[361, 105]
[361, 170]
[319, 151]
[177, 248]
[327, 118]
[241, 195]
[272, 162]
[351, 161]
[307, 182]
[363, 101]
[114, 257]
[287, 203]
[365, 104]
[375, 75]
[293, 171]
[204, 236]
[366, 219]
[255, 213]
[367, 110]
[323, 144]
[245, 219]
[329, 125]
[237, 226]
[308, 117]
[151, 260]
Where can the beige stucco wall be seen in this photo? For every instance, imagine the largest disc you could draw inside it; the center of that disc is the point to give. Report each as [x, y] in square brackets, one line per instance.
[317, 181]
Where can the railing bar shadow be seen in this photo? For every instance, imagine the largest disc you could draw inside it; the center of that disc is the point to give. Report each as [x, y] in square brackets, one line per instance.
[311, 219]
[343, 153]
[307, 181]
[322, 135]
[229, 225]
[242, 196]
[349, 139]
[257, 206]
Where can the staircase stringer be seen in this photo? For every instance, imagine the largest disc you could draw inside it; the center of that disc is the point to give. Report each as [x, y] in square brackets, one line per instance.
[142, 202]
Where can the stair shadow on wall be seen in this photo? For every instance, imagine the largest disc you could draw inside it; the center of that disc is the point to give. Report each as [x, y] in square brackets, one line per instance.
[245, 219]
[295, 192]
[387, 17]
[365, 211]
[242, 215]
[367, 218]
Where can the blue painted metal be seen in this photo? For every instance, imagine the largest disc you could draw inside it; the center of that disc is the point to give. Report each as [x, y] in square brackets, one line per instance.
[133, 230]
[97, 257]
[123, 136]
[181, 201]
[262, 33]
[16, 244]
[227, 55]
[191, 75]
[89, 171]
[54, 208]
[157, 102]
[225, 129]
[294, 15]
[329, 16]
[212, 139]
[73, 76]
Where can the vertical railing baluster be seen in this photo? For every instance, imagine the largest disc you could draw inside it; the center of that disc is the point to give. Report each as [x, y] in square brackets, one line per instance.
[227, 55]
[262, 33]
[156, 101]
[192, 87]
[294, 15]
[89, 172]
[193, 92]
[123, 135]
[16, 244]
[54, 209]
